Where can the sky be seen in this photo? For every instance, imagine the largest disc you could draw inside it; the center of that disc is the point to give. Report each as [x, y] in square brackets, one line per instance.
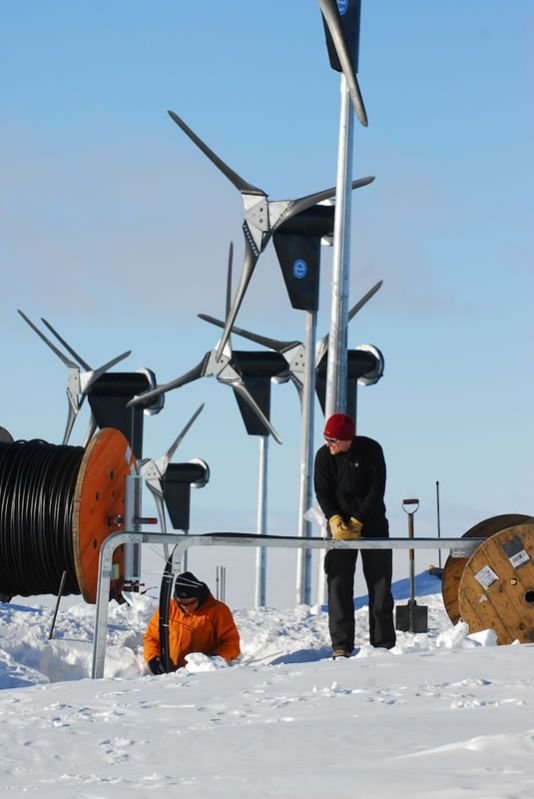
[444, 713]
[115, 228]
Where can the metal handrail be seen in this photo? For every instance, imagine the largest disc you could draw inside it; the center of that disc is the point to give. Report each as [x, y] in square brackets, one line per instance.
[459, 548]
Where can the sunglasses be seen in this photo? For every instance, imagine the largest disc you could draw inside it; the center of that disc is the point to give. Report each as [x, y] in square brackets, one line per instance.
[331, 440]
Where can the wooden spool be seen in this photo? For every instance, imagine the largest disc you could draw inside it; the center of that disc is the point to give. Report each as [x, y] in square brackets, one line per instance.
[5, 435]
[98, 502]
[454, 567]
[497, 586]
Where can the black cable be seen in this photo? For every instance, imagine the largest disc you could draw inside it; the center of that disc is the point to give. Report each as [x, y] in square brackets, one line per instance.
[164, 600]
[37, 487]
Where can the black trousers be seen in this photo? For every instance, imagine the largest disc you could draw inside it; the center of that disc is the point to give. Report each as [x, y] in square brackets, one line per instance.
[339, 566]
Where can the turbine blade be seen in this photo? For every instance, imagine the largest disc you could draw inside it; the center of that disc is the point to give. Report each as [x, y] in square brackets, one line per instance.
[47, 341]
[229, 279]
[103, 369]
[366, 297]
[233, 177]
[297, 383]
[193, 374]
[322, 344]
[91, 429]
[71, 418]
[66, 345]
[265, 341]
[176, 443]
[249, 265]
[330, 13]
[303, 203]
[239, 386]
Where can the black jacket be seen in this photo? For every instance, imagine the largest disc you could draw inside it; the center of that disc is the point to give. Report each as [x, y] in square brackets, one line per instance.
[353, 484]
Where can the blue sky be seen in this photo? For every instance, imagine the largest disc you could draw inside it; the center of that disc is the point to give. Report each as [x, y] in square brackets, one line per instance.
[116, 228]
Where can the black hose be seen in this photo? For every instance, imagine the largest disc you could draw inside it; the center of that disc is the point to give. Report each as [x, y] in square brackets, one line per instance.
[37, 487]
[164, 601]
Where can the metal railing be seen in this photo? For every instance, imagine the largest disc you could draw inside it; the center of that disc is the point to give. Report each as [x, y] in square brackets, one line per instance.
[459, 548]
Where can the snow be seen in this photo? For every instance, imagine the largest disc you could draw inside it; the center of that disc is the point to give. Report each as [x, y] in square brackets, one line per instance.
[444, 713]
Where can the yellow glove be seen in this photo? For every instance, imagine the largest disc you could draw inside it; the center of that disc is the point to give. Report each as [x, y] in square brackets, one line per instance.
[341, 531]
[336, 524]
[355, 526]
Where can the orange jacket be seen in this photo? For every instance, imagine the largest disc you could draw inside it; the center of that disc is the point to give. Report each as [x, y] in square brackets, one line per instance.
[210, 629]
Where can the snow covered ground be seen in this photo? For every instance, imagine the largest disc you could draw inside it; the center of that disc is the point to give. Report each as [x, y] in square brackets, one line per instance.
[443, 714]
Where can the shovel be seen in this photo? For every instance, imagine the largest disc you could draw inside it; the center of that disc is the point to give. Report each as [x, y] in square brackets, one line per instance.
[411, 617]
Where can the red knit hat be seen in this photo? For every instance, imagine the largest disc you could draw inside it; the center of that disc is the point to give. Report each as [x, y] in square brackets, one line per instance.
[339, 426]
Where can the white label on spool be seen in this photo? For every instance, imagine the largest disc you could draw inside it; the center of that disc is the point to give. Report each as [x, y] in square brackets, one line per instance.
[519, 558]
[486, 577]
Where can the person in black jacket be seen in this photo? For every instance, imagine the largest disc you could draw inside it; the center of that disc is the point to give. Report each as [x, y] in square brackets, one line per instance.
[350, 480]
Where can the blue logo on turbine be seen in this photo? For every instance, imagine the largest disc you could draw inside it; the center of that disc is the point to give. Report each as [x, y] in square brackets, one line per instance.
[300, 269]
[342, 6]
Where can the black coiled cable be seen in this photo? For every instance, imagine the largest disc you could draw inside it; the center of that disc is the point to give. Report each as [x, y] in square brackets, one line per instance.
[37, 487]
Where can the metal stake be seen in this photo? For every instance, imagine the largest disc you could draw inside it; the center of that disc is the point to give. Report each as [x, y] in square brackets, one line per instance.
[59, 595]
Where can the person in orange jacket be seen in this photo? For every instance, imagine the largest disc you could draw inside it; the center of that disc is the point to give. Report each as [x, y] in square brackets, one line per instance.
[197, 623]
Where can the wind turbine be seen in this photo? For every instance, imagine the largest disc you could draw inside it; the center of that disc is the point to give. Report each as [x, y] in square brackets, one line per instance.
[170, 484]
[227, 369]
[78, 383]
[263, 218]
[249, 374]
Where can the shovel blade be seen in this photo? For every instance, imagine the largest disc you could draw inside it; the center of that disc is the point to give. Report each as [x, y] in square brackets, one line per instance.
[411, 618]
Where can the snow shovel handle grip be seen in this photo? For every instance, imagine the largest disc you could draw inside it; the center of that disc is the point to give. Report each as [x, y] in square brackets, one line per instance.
[406, 502]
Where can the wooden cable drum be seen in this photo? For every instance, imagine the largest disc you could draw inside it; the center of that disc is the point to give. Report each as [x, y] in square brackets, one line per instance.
[454, 567]
[58, 504]
[497, 586]
[98, 505]
[5, 435]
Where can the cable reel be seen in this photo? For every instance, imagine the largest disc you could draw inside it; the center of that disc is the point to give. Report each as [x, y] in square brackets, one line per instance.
[58, 504]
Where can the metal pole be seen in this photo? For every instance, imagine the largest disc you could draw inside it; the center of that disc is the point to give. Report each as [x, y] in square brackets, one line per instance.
[336, 372]
[132, 552]
[59, 595]
[439, 522]
[132, 513]
[261, 552]
[304, 556]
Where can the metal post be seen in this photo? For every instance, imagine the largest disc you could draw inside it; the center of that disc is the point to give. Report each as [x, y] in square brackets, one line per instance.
[261, 552]
[439, 521]
[132, 514]
[336, 372]
[304, 589]
[132, 552]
